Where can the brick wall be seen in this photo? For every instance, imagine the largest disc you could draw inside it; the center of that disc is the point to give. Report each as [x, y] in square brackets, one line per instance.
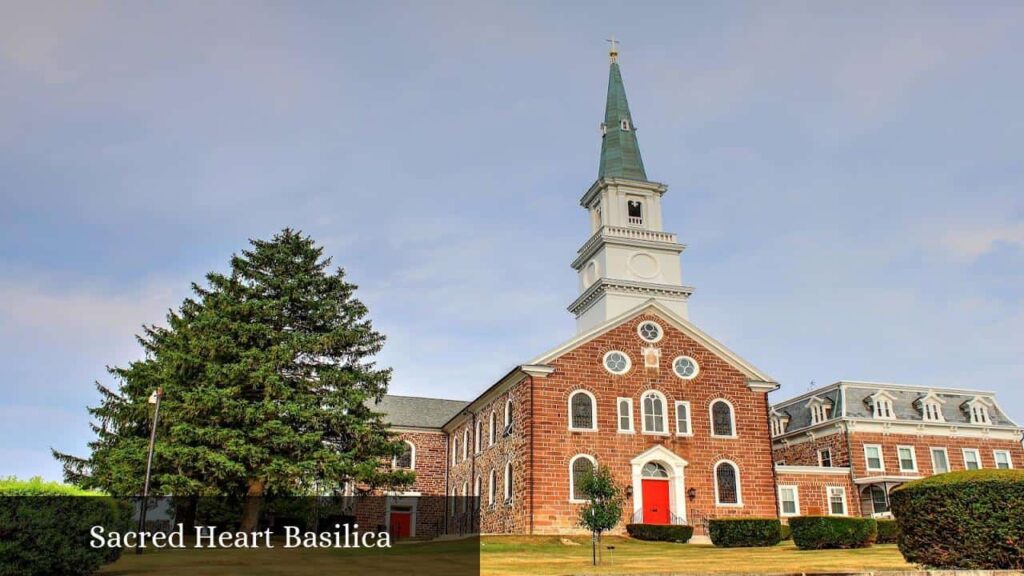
[498, 517]
[582, 368]
[805, 452]
[812, 492]
[954, 447]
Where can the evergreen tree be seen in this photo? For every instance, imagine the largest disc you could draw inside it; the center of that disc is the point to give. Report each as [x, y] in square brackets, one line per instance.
[267, 377]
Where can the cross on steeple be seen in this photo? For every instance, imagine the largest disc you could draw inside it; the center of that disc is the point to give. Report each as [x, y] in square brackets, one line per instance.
[614, 51]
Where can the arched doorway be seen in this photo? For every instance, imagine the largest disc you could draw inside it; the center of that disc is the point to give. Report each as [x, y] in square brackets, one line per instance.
[658, 487]
[654, 489]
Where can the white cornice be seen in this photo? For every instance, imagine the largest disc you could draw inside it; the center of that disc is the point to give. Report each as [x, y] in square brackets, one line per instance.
[601, 183]
[606, 285]
[836, 471]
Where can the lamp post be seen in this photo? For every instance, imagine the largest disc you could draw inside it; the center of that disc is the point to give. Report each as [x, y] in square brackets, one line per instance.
[154, 398]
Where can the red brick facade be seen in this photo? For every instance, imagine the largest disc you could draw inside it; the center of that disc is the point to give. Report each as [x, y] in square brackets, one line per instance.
[541, 445]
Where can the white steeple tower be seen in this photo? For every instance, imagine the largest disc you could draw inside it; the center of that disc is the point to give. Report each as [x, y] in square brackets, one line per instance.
[628, 259]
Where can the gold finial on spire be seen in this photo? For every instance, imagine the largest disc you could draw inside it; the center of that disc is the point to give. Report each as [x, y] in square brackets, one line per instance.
[613, 53]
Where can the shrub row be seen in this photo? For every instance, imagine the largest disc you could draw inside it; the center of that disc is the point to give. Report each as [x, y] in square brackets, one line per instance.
[818, 532]
[969, 520]
[44, 528]
[659, 532]
[736, 532]
[888, 532]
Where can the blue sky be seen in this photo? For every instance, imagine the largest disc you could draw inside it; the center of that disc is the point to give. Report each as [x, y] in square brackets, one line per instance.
[848, 177]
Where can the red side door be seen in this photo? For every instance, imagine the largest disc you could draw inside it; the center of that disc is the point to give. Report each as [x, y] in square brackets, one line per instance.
[401, 524]
[655, 497]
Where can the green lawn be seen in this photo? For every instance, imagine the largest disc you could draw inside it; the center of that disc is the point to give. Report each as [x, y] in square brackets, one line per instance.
[510, 555]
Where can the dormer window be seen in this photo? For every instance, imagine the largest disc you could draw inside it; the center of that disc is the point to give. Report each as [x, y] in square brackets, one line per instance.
[635, 211]
[977, 410]
[882, 406]
[820, 409]
[778, 422]
[979, 414]
[930, 406]
[779, 426]
[624, 124]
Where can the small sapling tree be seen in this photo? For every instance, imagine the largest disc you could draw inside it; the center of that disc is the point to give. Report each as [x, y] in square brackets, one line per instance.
[603, 509]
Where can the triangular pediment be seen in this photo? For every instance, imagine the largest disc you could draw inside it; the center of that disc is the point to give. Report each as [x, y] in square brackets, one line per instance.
[655, 308]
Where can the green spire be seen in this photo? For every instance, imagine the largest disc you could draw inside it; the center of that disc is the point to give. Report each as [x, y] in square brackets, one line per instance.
[620, 153]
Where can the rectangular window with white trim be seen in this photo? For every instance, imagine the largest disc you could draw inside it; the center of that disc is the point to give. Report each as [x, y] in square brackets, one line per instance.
[972, 459]
[624, 407]
[1003, 459]
[908, 458]
[873, 458]
[789, 501]
[825, 458]
[940, 461]
[836, 500]
[683, 418]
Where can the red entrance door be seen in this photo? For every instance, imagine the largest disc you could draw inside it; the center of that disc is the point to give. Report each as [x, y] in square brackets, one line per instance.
[401, 524]
[655, 498]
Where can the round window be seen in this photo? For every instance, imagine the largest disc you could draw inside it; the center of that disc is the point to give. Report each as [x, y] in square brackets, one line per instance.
[685, 367]
[616, 362]
[649, 331]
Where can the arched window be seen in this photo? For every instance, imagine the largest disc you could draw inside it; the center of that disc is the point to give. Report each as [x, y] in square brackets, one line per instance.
[727, 484]
[465, 444]
[722, 421]
[508, 417]
[455, 448]
[581, 411]
[579, 466]
[635, 211]
[478, 438]
[493, 429]
[465, 496]
[455, 502]
[407, 459]
[652, 404]
[653, 470]
[492, 486]
[508, 483]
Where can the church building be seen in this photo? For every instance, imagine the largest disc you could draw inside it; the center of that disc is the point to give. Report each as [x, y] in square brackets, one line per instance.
[683, 423]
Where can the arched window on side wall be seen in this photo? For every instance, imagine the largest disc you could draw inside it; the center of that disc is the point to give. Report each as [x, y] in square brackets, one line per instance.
[722, 419]
[508, 484]
[579, 467]
[581, 411]
[407, 459]
[727, 484]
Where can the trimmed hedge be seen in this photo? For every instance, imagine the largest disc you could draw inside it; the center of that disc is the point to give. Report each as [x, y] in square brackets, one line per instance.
[888, 532]
[965, 520]
[818, 532]
[660, 532]
[736, 532]
[45, 528]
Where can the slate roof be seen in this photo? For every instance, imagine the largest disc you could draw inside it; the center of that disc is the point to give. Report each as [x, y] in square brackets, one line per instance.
[417, 412]
[905, 396]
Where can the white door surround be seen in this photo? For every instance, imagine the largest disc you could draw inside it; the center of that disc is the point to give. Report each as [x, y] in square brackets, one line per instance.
[677, 486]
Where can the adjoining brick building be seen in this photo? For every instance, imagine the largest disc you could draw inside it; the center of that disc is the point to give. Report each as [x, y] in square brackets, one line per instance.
[682, 422]
[879, 436]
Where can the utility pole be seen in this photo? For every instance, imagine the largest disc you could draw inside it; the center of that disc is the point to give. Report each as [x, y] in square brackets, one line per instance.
[153, 399]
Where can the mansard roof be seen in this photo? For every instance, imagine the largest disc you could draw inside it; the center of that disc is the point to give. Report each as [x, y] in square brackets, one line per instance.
[417, 412]
[852, 399]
